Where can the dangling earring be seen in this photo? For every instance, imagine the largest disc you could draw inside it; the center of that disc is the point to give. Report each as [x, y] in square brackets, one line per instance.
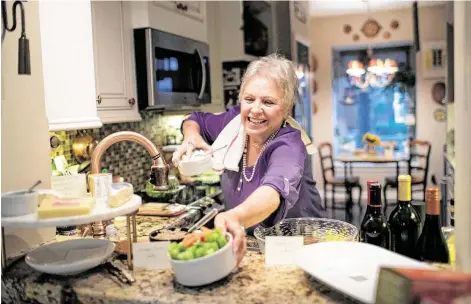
[284, 124]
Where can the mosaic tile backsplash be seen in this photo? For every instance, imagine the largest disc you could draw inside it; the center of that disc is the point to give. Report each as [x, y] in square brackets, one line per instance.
[126, 159]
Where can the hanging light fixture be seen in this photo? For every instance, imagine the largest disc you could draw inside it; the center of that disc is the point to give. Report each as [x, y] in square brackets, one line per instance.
[378, 74]
[24, 65]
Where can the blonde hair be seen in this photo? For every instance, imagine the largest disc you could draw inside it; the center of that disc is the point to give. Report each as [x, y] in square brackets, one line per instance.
[279, 69]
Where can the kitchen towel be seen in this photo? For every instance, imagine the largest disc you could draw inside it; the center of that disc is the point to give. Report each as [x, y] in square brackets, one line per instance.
[233, 136]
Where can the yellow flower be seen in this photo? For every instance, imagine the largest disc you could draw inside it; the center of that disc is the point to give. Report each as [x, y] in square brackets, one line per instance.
[371, 138]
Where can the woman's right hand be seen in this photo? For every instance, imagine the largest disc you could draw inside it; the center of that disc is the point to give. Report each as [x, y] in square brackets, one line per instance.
[187, 147]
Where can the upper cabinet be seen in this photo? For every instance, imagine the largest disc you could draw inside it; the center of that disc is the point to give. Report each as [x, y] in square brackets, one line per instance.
[116, 99]
[67, 65]
[189, 9]
[183, 18]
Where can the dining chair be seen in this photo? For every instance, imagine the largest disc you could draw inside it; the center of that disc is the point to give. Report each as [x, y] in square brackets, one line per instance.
[333, 181]
[417, 167]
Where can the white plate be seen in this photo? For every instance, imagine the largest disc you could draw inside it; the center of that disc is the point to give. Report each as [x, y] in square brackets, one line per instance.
[70, 257]
[351, 267]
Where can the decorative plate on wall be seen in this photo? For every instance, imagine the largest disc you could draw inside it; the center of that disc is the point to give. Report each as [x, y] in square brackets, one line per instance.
[371, 28]
[438, 92]
[394, 24]
[439, 115]
[347, 28]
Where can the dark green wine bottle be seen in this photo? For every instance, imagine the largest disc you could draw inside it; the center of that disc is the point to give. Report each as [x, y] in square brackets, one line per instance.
[374, 230]
[404, 221]
[431, 246]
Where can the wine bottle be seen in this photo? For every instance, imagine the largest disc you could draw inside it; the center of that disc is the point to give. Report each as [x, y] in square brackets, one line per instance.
[375, 229]
[367, 212]
[404, 221]
[431, 246]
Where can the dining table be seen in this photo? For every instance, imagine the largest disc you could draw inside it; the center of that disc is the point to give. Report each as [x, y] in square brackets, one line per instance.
[348, 159]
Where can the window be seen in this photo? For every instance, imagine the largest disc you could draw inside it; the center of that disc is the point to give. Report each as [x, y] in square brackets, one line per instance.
[388, 112]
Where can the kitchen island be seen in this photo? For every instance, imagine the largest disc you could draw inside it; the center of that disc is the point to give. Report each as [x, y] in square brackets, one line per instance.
[252, 282]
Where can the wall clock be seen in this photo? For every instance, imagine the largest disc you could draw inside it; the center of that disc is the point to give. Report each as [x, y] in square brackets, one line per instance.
[371, 28]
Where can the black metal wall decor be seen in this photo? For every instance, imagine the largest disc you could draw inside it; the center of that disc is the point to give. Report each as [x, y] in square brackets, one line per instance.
[24, 65]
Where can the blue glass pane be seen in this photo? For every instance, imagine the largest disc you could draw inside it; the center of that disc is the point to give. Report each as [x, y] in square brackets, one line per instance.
[381, 111]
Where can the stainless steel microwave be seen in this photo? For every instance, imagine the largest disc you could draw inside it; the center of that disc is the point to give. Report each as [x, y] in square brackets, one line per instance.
[172, 72]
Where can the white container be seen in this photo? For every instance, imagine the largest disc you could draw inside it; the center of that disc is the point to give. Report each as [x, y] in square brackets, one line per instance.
[70, 257]
[17, 203]
[207, 269]
[195, 166]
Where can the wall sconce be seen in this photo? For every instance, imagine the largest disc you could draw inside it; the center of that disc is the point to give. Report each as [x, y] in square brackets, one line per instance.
[24, 65]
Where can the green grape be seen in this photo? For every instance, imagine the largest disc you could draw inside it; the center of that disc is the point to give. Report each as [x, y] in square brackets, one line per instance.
[174, 253]
[218, 231]
[186, 255]
[200, 252]
[192, 249]
[181, 247]
[213, 245]
[212, 237]
[221, 242]
[172, 246]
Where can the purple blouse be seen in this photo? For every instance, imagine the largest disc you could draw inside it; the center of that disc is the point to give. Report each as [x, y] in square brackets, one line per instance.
[284, 165]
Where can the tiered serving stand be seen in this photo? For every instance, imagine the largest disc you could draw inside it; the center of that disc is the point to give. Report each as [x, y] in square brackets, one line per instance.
[101, 213]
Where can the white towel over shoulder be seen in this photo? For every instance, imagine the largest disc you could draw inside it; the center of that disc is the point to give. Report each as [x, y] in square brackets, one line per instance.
[233, 137]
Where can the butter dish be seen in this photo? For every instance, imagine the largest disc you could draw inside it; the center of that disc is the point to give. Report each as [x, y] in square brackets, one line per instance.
[119, 194]
[52, 206]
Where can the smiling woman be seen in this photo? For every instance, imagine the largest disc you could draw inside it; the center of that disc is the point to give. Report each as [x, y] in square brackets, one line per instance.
[266, 167]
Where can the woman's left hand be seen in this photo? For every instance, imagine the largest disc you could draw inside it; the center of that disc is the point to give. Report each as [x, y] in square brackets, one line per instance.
[232, 225]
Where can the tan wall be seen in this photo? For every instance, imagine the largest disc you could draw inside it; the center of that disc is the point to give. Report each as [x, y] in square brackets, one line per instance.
[327, 33]
[25, 141]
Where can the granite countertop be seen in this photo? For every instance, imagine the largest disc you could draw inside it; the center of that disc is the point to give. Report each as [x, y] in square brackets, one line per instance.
[252, 282]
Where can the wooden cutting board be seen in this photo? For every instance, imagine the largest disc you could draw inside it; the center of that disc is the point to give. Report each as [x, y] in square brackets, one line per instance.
[161, 209]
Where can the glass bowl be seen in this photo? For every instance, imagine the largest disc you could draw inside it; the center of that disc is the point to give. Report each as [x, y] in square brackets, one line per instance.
[314, 230]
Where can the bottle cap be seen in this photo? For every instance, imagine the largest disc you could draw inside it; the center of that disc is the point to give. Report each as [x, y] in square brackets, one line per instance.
[404, 178]
[368, 185]
[432, 199]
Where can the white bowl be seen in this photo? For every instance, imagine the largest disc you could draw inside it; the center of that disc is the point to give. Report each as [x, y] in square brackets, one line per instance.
[17, 203]
[70, 257]
[207, 269]
[195, 166]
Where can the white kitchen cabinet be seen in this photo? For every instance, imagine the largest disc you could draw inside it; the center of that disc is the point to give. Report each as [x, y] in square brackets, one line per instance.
[190, 9]
[116, 99]
[65, 30]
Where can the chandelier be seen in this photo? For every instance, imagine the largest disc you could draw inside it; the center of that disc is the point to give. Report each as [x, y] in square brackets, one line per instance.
[378, 74]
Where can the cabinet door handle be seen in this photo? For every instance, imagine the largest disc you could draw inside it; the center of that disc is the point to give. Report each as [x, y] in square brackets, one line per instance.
[98, 99]
[132, 101]
[182, 7]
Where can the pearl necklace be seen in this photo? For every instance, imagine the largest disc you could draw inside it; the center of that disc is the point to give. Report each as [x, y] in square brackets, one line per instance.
[244, 158]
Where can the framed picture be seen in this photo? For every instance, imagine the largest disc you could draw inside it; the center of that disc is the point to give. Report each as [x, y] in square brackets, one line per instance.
[300, 11]
[434, 60]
